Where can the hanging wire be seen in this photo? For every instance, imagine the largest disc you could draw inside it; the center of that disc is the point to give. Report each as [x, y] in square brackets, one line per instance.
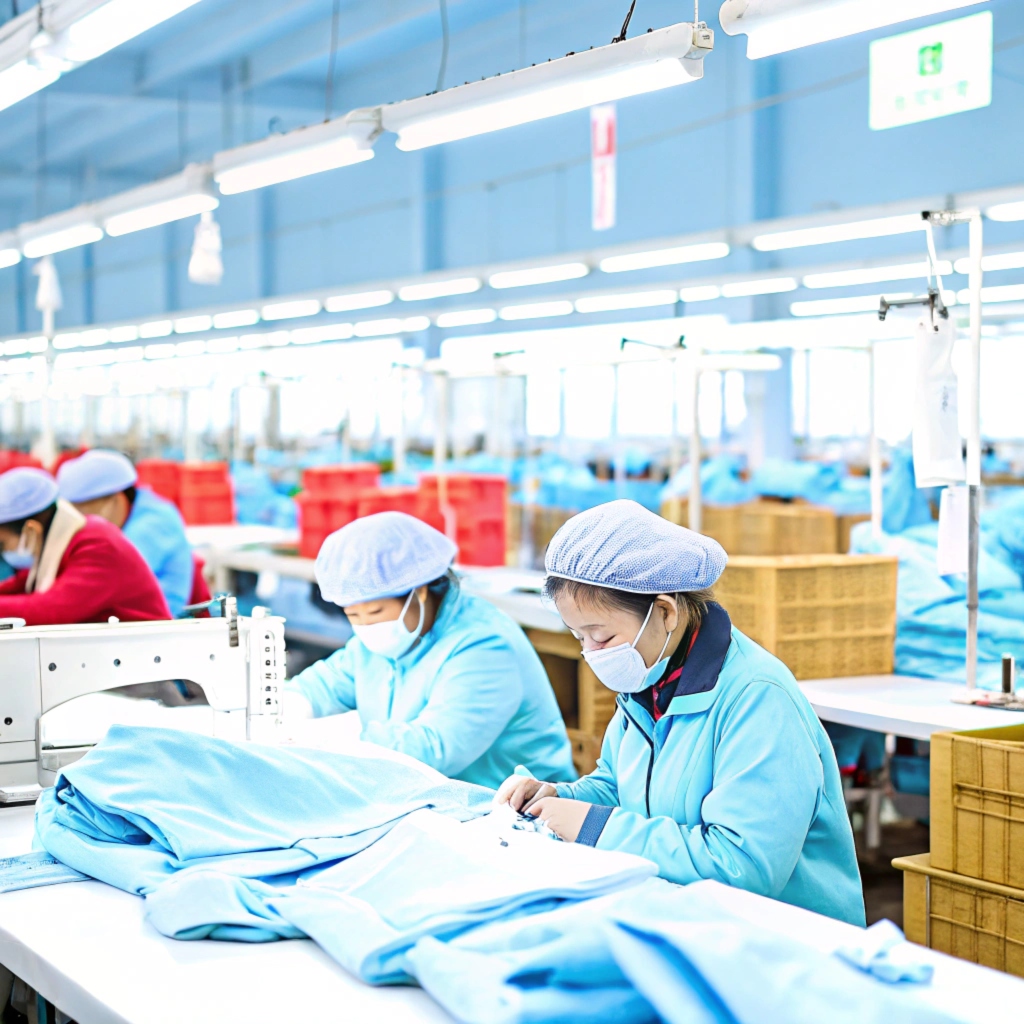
[329, 87]
[625, 25]
[445, 39]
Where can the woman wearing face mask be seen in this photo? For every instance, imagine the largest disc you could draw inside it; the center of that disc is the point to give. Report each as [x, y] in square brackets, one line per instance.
[714, 765]
[67, 567]
[433, 672]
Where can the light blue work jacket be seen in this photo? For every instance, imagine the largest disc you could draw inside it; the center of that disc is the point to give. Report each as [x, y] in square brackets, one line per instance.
[156, 528]
[736, 782]
[471, 698]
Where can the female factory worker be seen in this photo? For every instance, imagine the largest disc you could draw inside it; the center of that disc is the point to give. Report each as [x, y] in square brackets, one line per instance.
[103, 483]
[714, 765]
[432, 671]
[68, 567]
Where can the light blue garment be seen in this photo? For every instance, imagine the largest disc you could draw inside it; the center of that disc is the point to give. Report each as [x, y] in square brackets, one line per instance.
[383, 555]
[97, 473]
[147, 803]
[720, 482]
[623, 545]
[744, 788]
[471, 699]
[24, 492]
[156, 528]
[883, 951]
[34, 869]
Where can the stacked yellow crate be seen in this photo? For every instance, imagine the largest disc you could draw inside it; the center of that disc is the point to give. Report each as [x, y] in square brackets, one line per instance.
[966, 897]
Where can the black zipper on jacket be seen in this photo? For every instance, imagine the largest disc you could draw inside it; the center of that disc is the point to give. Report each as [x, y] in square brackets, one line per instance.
[650, 763]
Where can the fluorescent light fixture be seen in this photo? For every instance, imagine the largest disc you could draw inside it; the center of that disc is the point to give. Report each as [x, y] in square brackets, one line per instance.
[126, 332]
[236, 318]
[626, 300]
[665, 257]
[873, 275]
[391, 325]
[66, 230]
[114, 23]
[878, 227]
[1006, 211]
[358, 300]
[10, 254]
[440, 289]
[536, 310]
[466, 317]
[191, 324]
[296, 154]
[313, 335]
[24, 346]
[249, 342]
[94, 337]
[190, 348]
[156, 329]
[22, 80]
[290, 310]
[775, 26]
[765, 286]
[222, 346]
[755, 362]
[831, 307]
[66, 339]
[164, 351]
[996, 293]
[184, 195]
[997, 261]
[646, 63]
[538, 275]
[700, 293]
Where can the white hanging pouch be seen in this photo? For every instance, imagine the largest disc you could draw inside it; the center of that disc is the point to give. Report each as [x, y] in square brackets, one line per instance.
[938, 451]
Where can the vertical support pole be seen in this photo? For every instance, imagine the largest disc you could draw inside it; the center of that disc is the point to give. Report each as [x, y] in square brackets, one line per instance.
[398, 446]
[976, 242]
[618, 455]
[46, 446]
[696, 500]
[874, 447]
[440, 421]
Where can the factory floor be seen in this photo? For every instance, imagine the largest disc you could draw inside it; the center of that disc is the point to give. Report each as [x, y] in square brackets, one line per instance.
[883, 884]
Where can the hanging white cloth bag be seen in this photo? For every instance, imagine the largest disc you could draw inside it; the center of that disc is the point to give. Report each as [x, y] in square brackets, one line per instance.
[938, 450]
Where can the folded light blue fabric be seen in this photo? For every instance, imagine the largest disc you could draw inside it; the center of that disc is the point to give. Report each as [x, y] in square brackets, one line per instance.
[147, 803]
[34, 869]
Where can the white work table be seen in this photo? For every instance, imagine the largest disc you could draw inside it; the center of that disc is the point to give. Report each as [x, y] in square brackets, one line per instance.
[86, 948]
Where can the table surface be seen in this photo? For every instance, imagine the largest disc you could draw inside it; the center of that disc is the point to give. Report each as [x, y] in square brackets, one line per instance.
[237, 535]
[86, 947]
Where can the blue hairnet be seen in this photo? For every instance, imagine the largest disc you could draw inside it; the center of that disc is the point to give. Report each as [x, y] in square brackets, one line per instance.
[24, 492]
[95, 474]
[625, 546]
[383, 555]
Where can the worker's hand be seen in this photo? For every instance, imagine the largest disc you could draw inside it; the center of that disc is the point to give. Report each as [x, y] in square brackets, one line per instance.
[564, 817]
[518, 791]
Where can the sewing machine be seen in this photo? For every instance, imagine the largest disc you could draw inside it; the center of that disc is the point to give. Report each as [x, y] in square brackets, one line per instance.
[239, 663]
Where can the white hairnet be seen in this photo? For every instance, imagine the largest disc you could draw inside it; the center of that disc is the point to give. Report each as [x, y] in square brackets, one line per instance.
[625, 546]
[383, 555]
[95, 474]
[25, 492]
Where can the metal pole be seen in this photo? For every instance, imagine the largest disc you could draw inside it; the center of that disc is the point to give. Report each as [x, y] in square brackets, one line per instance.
[398, 447]
[696, 503]
[440, 421]
[874, 448]
[46, 446]
[974, 446]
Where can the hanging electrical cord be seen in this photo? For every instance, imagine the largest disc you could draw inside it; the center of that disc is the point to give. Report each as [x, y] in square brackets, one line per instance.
[329, 87]
[625, 25]
[445, 39]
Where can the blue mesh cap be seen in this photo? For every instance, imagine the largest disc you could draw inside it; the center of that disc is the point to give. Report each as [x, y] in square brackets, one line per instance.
[624, 546]
[25, 492]
[95, 474]
[383, 555]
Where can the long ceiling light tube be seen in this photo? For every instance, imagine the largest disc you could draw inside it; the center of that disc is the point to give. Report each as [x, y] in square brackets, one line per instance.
[62, 231]
[646, 63]
[10, 251]
[875, 227]
[186, 194]
[776, 26]
[668, 257]
[321, 147]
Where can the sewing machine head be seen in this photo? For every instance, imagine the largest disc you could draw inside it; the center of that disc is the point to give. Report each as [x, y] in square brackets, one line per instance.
[238, 662]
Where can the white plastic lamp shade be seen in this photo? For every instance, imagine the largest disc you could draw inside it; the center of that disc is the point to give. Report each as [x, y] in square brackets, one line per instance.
[538, 275]
[665, 257]
[9, 252]
[322, 147]
[439, 289]
[58, 241]
[878, 227]
[359, 300]
[22, 80]
[115, 23]
[205, 265]
[160, 213]
[646, 63]
[775, 26]
[1006, 211]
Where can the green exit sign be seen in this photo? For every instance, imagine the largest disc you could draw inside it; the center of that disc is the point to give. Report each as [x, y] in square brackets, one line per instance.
[931, 72]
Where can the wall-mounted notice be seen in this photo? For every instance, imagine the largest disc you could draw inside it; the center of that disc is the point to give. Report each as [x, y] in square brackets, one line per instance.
[602, 166]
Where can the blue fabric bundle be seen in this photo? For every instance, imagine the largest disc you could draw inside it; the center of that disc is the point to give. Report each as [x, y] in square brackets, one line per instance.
[148, 803]
[720, 482]
[784, 478]
[258, 501]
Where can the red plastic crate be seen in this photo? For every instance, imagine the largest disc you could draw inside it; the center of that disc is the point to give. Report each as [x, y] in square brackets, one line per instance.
[310, 543]
[486, 495]
[388, 499]
[319, 518]
[160, 475]
[207, 510]
[67, 456]
[16, 460]
[203, 479]
[340, 481]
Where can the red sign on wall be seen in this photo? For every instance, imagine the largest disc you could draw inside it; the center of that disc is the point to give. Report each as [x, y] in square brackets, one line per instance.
[602, 166]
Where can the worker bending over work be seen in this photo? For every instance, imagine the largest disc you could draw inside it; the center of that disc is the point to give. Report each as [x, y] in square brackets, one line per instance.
[714, 764]
[67, 567]
[433, 672]
[104, 483]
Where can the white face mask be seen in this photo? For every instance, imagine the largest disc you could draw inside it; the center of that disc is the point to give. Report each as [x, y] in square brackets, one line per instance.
[622, 668]
[391, 639]
[22, 557]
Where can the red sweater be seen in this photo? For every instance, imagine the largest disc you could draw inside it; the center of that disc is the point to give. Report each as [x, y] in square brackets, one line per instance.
[101, 574]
